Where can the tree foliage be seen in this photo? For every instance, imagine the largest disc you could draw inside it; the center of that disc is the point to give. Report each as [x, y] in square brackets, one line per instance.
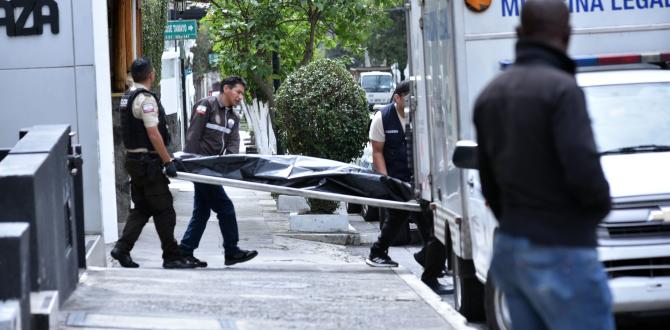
[248, 32]
[154, 19]
[201, 53]
[387, 43]
[322, 112]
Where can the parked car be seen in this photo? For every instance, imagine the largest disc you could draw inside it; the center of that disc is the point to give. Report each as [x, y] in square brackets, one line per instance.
[630, 115]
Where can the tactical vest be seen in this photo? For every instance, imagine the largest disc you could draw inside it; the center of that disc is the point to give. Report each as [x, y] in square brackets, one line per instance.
[395, 146]
[134, 133]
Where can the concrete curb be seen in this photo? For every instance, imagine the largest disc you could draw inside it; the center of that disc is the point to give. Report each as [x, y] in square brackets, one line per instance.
[330, 238]
[448, 313]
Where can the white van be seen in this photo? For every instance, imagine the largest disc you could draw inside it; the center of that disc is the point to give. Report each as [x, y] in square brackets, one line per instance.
[457, 47]
[378, 88]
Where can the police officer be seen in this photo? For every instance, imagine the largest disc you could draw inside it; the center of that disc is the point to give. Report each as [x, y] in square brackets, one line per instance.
[145, 137]
[389, 156]
[215, 130]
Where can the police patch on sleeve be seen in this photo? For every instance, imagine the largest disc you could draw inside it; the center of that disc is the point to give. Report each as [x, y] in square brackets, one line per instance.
[148, 107]
[201, 110]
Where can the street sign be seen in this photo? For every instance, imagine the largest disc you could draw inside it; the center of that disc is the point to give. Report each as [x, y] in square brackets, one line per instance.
[181, 29]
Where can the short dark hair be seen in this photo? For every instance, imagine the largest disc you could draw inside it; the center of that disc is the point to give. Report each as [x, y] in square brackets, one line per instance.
[231, 82]
[141, 69]
[402, 89]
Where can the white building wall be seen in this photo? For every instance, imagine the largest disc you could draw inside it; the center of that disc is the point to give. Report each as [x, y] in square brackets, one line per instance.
[64, 79]
[170, 82]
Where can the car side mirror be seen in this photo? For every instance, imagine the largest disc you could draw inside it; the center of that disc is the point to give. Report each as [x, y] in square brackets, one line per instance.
[465, 155]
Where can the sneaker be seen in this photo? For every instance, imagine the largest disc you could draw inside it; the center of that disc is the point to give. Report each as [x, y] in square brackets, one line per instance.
[123, 258]
[197, 262]
[381, 261]
[177, 264]
[240, 256]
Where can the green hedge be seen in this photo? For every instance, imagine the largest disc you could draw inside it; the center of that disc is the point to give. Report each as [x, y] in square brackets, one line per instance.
[322, 112]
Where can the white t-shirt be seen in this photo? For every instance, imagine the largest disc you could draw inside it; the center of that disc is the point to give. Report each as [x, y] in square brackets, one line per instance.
[377, 127]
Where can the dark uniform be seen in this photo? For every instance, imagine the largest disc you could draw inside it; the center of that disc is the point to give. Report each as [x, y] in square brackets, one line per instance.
[433, 255]
[149, 189]
[214, 130]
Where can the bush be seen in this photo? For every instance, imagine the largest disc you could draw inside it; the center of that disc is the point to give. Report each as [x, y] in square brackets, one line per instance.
[322, 206]
[322, 112]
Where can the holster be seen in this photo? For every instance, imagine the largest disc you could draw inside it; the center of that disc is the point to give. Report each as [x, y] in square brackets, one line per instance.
[144, 166]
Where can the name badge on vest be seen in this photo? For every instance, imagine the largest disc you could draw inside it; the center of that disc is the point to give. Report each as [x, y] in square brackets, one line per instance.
[216, 127]
[391, 131]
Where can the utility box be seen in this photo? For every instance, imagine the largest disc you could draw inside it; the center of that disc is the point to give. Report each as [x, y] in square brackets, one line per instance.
[36, 186]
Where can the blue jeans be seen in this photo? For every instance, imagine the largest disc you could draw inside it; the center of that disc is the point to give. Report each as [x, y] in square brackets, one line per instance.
[210, 197]
[549, 287]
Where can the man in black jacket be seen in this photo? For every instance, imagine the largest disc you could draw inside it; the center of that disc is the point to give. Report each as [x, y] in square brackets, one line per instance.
[215, 131]
[542, 178]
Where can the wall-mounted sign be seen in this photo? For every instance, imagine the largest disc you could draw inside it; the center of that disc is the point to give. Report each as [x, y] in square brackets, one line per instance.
[181, 29]
[16, 13]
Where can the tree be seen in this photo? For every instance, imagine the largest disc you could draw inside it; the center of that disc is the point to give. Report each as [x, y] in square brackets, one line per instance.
[249, 32]
[154, 19]
[201, 51]
[388, 41]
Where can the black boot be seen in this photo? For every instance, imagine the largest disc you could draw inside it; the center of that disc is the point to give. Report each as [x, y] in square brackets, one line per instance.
[197, 262]
[419, 257]
[240, 256]
[178, 264]
[123, 258]
[437, 287]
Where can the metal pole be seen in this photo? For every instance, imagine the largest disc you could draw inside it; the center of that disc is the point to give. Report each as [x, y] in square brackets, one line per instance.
[183, 97]
[412, 206]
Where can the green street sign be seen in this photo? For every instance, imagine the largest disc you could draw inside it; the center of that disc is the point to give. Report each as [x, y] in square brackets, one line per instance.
[180, 30]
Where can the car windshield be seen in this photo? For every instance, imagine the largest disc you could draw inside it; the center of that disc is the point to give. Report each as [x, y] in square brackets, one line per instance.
[630, 116]
[377, 84]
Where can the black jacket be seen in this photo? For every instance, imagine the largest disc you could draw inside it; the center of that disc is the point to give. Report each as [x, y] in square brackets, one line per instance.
[539, 167]
[214, 129]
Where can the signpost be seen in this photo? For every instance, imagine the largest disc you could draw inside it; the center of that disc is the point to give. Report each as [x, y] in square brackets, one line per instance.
[181, 30]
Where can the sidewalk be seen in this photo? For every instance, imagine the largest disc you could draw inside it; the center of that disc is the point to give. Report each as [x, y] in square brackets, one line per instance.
[292, 284]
